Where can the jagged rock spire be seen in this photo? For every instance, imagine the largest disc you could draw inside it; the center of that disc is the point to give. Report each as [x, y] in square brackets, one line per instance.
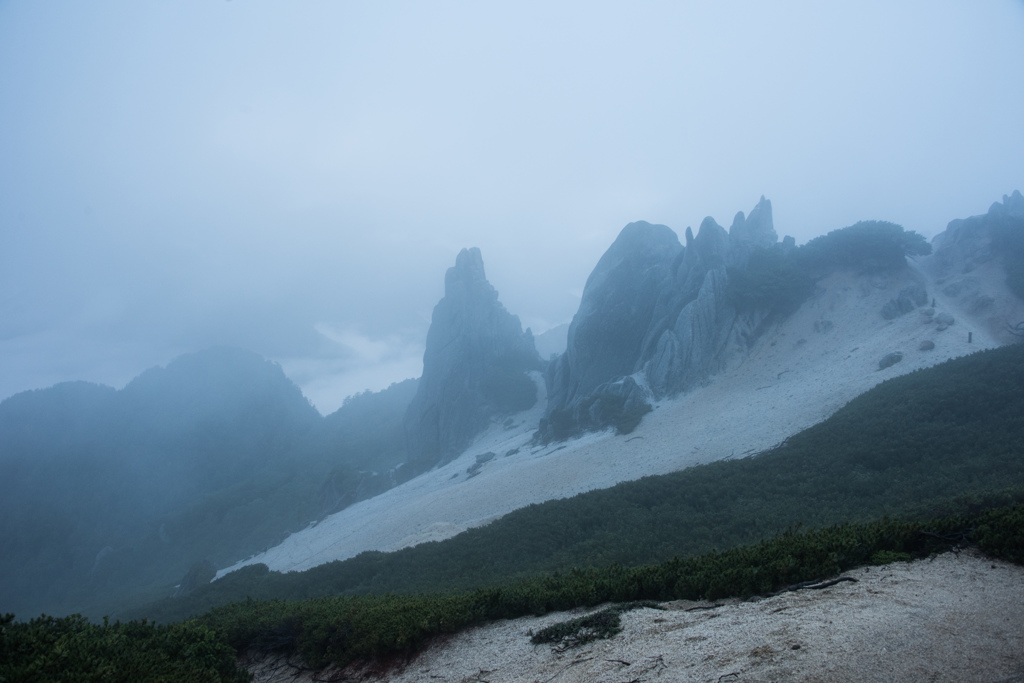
[473, 366]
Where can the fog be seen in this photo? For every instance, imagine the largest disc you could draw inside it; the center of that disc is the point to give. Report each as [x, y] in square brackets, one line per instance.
[294, 178]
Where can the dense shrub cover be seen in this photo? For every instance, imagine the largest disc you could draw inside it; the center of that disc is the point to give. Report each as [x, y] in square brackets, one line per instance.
[346, 629]
[71, 648]
[779, 280]
[603, 624]
[866, 246]
[774, 279]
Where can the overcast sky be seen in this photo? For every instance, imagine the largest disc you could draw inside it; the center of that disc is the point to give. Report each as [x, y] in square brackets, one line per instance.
[295, 177]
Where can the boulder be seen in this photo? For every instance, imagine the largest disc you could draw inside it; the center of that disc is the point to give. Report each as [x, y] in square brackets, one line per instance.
[908, 299]
[943, 320]
[890, 359]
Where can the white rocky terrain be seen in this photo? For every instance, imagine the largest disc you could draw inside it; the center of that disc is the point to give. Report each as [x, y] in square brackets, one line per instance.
[797, 374]
[953, 618]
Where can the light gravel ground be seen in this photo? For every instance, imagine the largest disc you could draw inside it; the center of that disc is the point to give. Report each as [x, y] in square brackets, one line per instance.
[951, 618]
[798, 374]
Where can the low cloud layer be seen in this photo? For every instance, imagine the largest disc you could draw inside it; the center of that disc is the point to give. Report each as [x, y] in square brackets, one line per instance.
[246, 173]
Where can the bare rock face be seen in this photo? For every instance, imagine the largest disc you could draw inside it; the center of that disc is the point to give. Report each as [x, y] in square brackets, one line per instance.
[978, 262]
[909, 298]
[968, 243]
[655, 320]
[619, 304]
[474, 366]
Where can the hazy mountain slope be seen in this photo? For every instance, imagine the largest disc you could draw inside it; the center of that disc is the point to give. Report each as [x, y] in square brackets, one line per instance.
[218, 454]
[978, 267]
[799, 372]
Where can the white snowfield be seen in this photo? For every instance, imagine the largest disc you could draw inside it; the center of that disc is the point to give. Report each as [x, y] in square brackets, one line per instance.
[797, 374]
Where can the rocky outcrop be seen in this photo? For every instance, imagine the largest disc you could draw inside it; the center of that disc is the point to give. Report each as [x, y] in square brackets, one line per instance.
[968, 243]
[889, 360]
[655, 319]
[908, 299]
[978, 263]
[620, 303]
[474, 366]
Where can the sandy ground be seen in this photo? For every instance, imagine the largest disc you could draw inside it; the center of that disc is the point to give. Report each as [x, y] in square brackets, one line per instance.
[952, 618]
[798, 374]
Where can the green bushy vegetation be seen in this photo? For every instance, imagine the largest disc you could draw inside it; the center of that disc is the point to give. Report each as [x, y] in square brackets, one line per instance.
[936, 441]
[866, 246]
[780, 280]
[773, 279]
[602, 625]
[71, 648]
[346, 629]
[343, 629]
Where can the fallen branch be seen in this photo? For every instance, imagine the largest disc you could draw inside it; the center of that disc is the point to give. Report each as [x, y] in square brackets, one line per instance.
[957, 541]
[699, 608]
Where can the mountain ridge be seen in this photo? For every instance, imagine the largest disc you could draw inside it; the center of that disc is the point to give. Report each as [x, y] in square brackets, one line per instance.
[797, 372]
[839, 332]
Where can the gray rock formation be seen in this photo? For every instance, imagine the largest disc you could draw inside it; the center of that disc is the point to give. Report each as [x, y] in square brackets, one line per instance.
[654, 313]
[620, 302]
[978, 262]
[890, 359]
[908, 299]
[474, 366]
[968, 243]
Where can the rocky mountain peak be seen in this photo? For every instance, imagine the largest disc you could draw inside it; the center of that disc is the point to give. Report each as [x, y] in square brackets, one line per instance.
[757, 229]
[474, 366]
[979, 263]
[1013, 205]
[655, 319]
[468, 275]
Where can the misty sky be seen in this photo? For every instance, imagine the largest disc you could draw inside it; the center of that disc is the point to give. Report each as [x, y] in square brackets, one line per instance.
[295, 177]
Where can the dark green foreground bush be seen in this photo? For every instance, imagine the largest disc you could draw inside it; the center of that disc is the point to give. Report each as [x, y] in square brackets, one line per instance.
[72, 649]
[379, 627]
[346, 629]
